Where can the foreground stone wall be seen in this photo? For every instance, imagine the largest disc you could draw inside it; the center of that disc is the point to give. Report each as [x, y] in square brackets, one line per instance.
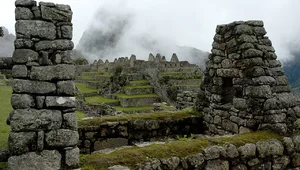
[272, 154]
[245, 88]
[43, 123]
[115, 134]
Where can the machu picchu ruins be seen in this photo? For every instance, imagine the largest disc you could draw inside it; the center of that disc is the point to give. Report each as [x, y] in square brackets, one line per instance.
[159, 113]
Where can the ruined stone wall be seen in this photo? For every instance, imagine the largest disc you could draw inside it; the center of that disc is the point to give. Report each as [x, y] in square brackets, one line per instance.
[271, 154]
[43, 123]
[245, 88]
[186, 99]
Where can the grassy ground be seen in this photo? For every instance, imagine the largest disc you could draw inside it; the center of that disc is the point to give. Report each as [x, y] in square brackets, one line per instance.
[5, 109]
[124, 96]
[99, 99]
[131, 156]
[79, 115]
[138, 87]
[139, 81]
[153, 116]
[129, 109]
[83, 89]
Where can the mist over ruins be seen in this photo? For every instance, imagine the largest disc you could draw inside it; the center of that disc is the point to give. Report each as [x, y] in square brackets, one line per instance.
[231, 108]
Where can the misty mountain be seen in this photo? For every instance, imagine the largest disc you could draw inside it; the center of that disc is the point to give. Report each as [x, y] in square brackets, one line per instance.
[6, 43]
[114, 34]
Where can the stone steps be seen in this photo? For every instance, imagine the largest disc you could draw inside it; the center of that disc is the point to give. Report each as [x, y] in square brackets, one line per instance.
[101, 99]
[135, 90]
[93, 84]
[189, 87]
[139, 83]
[134, 77]
[138, 100]
[180, 75]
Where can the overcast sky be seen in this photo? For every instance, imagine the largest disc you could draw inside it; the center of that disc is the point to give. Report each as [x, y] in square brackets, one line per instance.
[188, 22]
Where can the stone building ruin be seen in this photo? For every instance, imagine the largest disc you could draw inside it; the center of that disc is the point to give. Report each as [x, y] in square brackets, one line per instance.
[43, 123]
[245, 88]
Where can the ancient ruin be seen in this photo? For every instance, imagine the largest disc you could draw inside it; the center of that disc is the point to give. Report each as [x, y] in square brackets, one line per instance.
[43, 123]
[245, 88]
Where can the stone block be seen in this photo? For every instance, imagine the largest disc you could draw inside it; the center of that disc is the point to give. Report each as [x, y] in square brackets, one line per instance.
[54, 45]
[22, 56]
[40, 140]
[23, 14]
[270, 148]
[247, 151]
[217, 165]
[63, 102]
[35, 29]
[47, 159]
[228, 73]
[110, 143]
[25, 3]
[62, 138]
[35, 120]
[263, 91]
[40, 101]
[288, 145]
[296, 141]
[275, 118]
[230, 126]
[214, 152]
[58, 13]
[22, 101]
[259, 31]
[250, 53]
[296, 159]
[264, 80]
[247, 38]
[67, 32]
[50, 73]
[19, 71]
[22, 142]
[243, 29]
[170, 163]
[72, 157]
[33, 87]
[240, 103]
[23, 43]
[69, 121]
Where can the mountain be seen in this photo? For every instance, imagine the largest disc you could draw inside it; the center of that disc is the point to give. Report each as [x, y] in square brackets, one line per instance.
[292, 71]
[115, 34]
[6, 43]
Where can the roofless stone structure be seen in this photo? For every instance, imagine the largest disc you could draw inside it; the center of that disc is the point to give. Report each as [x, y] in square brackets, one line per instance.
[245, 88]
[43, 123]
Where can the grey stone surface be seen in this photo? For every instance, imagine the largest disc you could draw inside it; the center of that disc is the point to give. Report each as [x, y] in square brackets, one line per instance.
[217, 165]
[50, 73]
[62, 138]
[247, 151]
[170, 163]
[35, 120]
[214, 152]
[25, 3]
[231, 151]
[33, 87]
[22, 101]
[21, 56]
[72, 157]
[19, 71]
[54, 45]
[62, 102]
[21, 142]
[66, 88]
[23, 14]
[46, 160]
[296, 141]
[60, 13]
[119, 167]
[195, 161]
[35, 29]
[70, 121]
[67, 32]
[23, 43]
[269, 148]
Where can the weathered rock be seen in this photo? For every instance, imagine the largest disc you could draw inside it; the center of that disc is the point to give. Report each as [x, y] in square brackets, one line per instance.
[170, 163]
[56, 101]
[247, 151]
[19, 71]
[44, 160]
[35, 29]
[23, 13]
[21, 56]
[62, 138]
[48, 73]
[230, 126]
[21, 142]
[66, 88]
[217, 165]
[69, 121]
[296, 141]
[214, 152]
[67, 32]
[72, 157]
[195, 161]
[269, 148]
[60, 13]
[231, 151]
[35, 120]
[25, 3]
[33, 87]
[54, 45]
[22, 101]
[119, 167]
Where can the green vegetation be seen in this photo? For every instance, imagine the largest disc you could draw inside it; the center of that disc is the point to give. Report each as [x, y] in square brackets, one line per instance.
[172, 92]
[83, 89]
[149, 116]
[131, 109]
[79, 115]
[80, 61]
[87, 78]
[99, 99]
[190, 85]
[5, 109]
[138, 81]
[3, 165]
[138, 87]
[131, 156]
[124, 96]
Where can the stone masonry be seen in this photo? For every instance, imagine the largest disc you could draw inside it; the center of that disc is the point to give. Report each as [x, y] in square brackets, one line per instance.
[244, 88]
[43, 123]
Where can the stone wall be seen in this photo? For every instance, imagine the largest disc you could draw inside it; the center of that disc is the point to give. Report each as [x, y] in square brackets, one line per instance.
[186, 99]
[245, 88]
[43, 123]
[272, 154]
[126, 132]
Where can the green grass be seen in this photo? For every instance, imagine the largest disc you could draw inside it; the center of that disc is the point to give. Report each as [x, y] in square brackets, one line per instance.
[149, 116]
[138, 87]
[87, 77]
[99, 99]
[5, 109]
[83, 89]
[129, 109]
[132, 156]
[190, 85]
[171, 73]
[124, 96]
[139, 81]
[79, 115]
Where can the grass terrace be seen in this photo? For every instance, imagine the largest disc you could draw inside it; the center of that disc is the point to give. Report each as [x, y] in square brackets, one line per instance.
[138, 87]
[99, 99]
[136, 96]
[5, 109]
[131, 109]
[83, 89]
